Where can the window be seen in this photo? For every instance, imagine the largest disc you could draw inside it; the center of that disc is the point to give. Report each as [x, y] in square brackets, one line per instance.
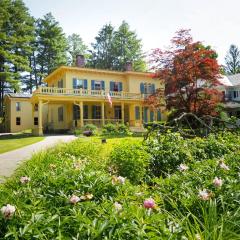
[18, 106]
[76, 112]
[60, 83]
[60, 114]
[35, 107]
[98, 85]
[116, 86]
[137, 113]
[18, 121]
[235, 94]
[85, 112]
[35, 121]
[117, 112]
[147, 88]
[96, 113]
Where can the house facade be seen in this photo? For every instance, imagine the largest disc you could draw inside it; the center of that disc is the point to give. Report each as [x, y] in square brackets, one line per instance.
[230, 87]
[76, 96]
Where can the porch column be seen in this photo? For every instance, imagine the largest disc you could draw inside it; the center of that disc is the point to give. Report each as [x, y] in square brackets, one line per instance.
[81, 114]
[141, 112]
[49, 114]
[40, 127]
[103, 117]
[122, 109]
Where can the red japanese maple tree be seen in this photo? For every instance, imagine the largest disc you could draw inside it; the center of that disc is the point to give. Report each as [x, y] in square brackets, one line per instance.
[190, 71]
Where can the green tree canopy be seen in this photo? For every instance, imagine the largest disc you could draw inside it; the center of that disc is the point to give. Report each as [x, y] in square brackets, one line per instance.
[16, 33]
[232, 60]
[76, 46]
[114, 48]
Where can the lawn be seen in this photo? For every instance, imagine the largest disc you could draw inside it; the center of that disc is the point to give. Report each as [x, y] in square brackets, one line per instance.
[12, 142]
[166, 188]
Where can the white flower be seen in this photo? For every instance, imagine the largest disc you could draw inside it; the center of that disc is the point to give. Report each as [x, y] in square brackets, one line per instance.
[74, 199]
[87, 196]
[8, 211]
[118, 179]
[204, 195]
[117, 206]
[217, 182]
[223, 166]
[24, 179]
[183, 167]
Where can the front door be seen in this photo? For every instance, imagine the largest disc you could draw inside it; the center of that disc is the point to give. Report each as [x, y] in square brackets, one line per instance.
[117, 112]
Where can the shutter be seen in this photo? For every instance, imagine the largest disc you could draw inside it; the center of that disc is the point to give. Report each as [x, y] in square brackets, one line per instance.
[153, 88]
[120, 87]
[92, 84]
[158, 116]
[74, 82]
[111, 86]
[85, 84]
[137, 113]
[142, 88]
[151, 116]
[145, 114]
[85, 111]
[103, 85]
[93, 112]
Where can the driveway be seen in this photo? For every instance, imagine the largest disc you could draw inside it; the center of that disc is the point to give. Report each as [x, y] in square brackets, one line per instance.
[9, 161]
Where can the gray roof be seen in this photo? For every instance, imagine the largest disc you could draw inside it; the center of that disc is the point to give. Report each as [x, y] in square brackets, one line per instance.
[234, 79]
[19, 95]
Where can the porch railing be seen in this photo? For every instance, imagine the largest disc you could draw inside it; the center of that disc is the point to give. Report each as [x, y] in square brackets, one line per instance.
[87, 93]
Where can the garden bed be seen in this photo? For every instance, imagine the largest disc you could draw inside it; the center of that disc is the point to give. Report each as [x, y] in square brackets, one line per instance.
[89, 190]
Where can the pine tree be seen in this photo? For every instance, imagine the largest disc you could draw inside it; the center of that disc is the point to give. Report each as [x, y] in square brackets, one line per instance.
[75, 47]
[16, 32]
[232, 60]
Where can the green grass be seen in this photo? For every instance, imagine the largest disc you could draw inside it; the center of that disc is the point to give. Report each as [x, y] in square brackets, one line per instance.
[9, 143]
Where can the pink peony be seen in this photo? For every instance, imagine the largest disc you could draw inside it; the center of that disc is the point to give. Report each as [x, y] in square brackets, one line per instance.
[204, 195]
[183, 167]
[149, 203]
[217, 182]
[8, 211]
[24, 179]
[74, 199]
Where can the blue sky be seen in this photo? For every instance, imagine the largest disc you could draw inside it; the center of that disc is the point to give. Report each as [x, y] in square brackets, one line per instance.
[214, 22]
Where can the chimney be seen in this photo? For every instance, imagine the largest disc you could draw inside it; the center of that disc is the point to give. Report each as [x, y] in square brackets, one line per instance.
[128, 66]
[80, 61]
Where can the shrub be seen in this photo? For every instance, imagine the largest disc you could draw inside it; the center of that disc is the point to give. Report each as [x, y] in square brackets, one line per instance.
[116, 129]
[130, 160]
[90, 127]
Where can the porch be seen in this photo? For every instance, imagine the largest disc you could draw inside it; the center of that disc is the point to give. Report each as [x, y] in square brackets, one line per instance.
[56, 115]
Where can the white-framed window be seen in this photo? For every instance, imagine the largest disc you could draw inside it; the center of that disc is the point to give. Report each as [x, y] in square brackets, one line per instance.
[60, 83]
[77, 83]
[18, 106]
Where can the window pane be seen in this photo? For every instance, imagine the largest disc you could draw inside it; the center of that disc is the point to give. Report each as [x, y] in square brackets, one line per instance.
[60, 114]
[18, 106]
[18, 121]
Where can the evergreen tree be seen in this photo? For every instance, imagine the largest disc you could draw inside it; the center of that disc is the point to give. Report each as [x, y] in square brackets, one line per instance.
[102, 55]
[128, 48]
[16, 33]
[50, 48]
[232, 60]
[75, 47]
[114, 48]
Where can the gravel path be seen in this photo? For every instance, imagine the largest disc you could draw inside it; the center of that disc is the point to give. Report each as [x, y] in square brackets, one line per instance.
[9, 161]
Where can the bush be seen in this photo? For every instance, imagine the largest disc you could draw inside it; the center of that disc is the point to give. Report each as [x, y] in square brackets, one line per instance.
[130, 160]
[116, 129]
[88, 127]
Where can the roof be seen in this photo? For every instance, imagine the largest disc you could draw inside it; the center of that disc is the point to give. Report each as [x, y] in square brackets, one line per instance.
[230, 80]
[19, 95]
[93, 70]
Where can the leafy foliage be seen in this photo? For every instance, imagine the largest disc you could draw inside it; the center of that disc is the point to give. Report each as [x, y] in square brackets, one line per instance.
[232, 60]
[190, 71]
[115, 129]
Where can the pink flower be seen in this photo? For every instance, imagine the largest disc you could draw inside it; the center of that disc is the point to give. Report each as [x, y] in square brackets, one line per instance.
[24, 180]
[217, 182]
[223, 166]
[183, 167]
[74, 199]
[204, 195]
[117, 206]
[8, 211]
[149, 203]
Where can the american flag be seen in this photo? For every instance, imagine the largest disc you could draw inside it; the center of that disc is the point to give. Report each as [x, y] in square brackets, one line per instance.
[109, 99]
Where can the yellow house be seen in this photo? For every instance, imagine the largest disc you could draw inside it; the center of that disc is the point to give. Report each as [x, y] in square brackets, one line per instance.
[76, 96]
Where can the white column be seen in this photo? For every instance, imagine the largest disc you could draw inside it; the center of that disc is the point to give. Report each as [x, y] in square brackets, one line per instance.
[122, 109]
[103, 117]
